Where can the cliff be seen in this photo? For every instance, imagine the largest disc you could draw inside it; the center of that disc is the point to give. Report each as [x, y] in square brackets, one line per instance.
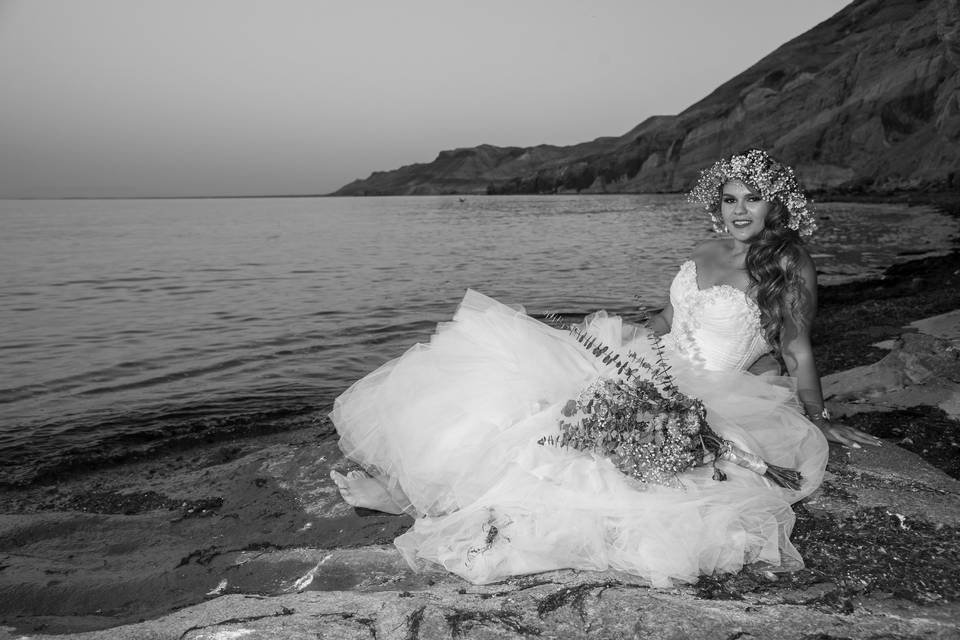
[868, 100]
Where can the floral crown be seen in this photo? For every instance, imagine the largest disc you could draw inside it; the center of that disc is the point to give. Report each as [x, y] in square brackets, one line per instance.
[774, 181]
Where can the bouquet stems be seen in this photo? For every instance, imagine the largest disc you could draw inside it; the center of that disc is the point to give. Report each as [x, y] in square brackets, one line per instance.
[788, 478]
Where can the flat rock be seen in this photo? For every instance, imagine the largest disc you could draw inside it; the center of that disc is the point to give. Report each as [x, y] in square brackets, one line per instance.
[283, 557]
[921, 369]
[568, 606]
[891, 478]
[945, 326]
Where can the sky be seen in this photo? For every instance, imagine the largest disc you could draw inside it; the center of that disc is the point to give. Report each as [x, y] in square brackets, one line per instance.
[166, 98]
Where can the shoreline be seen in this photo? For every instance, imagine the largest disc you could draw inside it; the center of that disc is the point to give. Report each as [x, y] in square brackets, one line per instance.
[906, 292]
[839, 341]
[920, 196]
[946, 201]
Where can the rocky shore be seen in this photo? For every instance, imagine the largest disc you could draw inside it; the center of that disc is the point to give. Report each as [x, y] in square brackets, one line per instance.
[249, 539]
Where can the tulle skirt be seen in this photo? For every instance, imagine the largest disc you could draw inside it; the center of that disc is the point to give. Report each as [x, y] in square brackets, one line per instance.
[454, 426]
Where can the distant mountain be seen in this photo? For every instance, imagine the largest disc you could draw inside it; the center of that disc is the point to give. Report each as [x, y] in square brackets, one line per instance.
[868, 100]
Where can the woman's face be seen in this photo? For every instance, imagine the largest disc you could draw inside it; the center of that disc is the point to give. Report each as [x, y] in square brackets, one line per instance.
[744, 211]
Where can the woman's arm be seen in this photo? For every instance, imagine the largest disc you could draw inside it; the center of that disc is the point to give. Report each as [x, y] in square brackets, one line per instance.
[660, 323]
[798, 357]
[765, 364]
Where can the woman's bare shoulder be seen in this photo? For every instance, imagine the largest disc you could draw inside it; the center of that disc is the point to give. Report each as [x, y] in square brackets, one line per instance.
[711, 248]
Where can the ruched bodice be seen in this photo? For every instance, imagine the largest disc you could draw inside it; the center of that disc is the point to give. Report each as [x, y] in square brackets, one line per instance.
[717, 327]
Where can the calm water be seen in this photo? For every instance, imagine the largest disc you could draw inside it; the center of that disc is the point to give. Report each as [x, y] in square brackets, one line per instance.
[130, 322]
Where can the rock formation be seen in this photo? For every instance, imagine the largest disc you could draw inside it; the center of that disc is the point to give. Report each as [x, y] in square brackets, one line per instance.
[868, 100]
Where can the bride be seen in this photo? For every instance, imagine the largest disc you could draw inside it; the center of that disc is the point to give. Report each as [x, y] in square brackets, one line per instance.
[449, 431]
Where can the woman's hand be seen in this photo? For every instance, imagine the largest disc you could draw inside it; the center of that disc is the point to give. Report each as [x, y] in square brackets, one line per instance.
[765, 364]
[847, 436]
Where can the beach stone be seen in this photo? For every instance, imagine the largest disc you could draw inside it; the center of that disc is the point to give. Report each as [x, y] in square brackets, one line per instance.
[945, 326]
[891, 478]
[921, 369]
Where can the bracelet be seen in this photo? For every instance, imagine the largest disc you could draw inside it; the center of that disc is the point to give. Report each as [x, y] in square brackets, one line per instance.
[823, 415]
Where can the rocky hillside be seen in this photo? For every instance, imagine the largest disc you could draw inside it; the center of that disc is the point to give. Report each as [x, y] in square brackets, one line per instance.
[868, 100]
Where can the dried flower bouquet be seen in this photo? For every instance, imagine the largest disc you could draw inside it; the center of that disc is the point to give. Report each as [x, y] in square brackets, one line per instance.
[641, 421]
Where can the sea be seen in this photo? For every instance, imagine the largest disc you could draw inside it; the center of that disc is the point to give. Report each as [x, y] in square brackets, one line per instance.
[128, 326]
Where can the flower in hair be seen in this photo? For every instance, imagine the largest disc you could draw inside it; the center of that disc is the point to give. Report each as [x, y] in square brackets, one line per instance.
[773, 180]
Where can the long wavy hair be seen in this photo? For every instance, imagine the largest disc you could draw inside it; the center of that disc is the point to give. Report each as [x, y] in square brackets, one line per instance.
[773, 264]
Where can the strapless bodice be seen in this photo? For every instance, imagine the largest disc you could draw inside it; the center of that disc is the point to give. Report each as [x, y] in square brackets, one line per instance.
[717, 327]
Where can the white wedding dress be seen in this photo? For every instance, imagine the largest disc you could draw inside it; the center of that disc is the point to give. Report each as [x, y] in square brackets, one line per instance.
[454, 424]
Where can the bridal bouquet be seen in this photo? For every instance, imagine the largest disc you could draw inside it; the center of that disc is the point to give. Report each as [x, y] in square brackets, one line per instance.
[641, 421]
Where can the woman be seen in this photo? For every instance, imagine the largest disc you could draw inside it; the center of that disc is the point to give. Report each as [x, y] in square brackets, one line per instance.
[451, 432]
